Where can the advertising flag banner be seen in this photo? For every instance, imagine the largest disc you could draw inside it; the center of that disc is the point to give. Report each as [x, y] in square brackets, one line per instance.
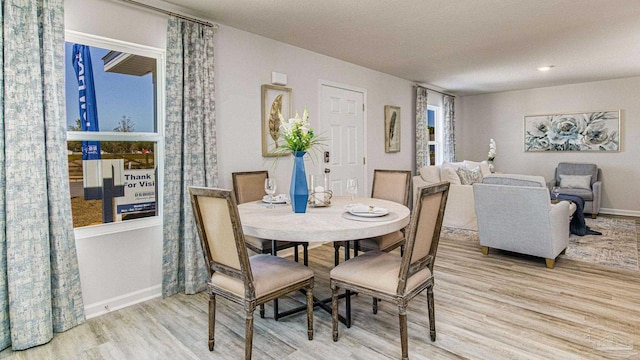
[88, 105]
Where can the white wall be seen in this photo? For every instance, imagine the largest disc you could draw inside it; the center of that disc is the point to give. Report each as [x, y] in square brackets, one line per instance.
[244, 62]
[500, 116]
[121, 268]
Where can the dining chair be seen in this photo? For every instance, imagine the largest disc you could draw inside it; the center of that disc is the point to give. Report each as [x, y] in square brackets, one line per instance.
[392, 185]
[249, 186]
[249, 281]
[398, 279]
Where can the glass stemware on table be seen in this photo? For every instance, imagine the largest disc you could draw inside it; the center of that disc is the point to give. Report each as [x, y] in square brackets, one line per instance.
[270, 189]
[352, 187]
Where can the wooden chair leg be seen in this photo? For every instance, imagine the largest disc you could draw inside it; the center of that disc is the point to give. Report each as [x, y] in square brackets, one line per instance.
[212, 320]
[334, 311]
[375, 305]
[403, 333]
[593, 216]
[248, 334]
[310, 313]
[262, 311]
[485, 250]
[432, 315]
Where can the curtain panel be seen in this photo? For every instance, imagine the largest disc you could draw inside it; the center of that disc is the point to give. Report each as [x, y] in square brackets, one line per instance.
[39, 279]
[422, 136]
[449, 151]
[191, 156]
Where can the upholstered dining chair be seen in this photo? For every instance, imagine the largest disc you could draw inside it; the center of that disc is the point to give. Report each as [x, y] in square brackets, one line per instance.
[392, 185]
[249, 186]
[249, 281]
[398, 279]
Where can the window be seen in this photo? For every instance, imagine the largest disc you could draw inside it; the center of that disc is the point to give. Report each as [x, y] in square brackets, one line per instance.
[434, 126]
[114, 146]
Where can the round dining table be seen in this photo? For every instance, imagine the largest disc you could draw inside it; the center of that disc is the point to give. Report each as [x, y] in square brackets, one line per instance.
[321, 224]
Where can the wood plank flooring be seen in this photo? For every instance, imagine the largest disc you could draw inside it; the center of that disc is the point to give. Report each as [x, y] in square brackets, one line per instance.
[487, 307]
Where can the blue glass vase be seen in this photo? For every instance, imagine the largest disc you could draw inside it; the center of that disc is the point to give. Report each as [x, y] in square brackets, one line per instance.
[298, 191]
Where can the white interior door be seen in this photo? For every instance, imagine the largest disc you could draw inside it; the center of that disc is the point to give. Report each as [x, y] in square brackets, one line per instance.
[342, 122]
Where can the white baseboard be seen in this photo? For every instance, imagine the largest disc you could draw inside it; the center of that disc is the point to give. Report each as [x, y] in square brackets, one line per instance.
[620, 212]
[122, 301]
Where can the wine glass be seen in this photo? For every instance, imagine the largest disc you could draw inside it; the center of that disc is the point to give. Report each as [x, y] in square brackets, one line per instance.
[555, 191]
[270, 189]
[352, 187]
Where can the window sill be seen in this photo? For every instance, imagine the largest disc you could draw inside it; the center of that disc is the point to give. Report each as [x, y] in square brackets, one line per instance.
[115, 228]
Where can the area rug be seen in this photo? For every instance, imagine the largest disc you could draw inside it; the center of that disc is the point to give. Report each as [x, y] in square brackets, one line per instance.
[617, 247]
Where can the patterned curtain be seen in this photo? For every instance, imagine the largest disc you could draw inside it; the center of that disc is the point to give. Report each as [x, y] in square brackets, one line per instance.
[39, 280]
[422, 137]
[449, 151]
[191, 156]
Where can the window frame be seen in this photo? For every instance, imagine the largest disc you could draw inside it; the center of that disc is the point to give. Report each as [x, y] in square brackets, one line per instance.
[439, 141]
[157, 137]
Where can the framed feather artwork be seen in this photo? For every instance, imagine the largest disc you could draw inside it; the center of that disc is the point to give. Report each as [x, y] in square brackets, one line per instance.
[274, 99]
[391, 128]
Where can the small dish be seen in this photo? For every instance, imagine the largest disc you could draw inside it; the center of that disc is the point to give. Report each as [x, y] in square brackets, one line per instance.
[366, 210]
[279, 199]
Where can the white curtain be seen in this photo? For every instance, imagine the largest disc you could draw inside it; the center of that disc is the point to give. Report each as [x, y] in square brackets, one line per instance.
[39, 279]
[449, 150]
[191, 157]
[422, 135]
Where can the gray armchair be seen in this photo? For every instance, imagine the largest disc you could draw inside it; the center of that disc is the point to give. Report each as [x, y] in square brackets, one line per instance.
[591, 194]
[515, 214]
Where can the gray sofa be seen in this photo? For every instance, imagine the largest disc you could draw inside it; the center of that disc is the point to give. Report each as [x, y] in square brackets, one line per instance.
[515, 213]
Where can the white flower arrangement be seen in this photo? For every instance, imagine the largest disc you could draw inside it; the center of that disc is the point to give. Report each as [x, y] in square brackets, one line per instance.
[297, 133]
[492, 150]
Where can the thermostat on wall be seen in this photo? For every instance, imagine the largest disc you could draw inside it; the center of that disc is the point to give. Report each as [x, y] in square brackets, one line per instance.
[278, 78]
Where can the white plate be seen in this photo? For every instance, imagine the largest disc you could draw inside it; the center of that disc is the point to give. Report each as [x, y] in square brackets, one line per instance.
[378, 213]
[276, 200]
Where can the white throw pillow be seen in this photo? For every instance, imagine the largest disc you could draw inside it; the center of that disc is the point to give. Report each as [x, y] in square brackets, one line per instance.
[453, 165]
[575, 181]
[484, 166]
[430, 174]
[449, 174]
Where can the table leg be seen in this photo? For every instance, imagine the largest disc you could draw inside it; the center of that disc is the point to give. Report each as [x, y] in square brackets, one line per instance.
[276, 316]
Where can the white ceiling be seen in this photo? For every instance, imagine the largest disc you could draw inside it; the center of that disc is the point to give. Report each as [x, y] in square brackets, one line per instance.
[463, 46]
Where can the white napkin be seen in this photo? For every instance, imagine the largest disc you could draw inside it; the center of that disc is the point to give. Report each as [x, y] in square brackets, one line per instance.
[362, 208]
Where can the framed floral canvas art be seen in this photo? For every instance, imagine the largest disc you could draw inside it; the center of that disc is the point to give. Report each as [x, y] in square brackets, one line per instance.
[586, 131]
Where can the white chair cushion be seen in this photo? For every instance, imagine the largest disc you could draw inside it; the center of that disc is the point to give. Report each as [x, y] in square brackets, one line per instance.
[377, 270]
[270, 274]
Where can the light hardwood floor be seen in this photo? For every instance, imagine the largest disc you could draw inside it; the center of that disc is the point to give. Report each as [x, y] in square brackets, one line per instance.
[495, 307]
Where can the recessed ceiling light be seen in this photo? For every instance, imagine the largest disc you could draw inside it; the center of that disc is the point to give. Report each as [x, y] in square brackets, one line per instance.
[545, 68]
